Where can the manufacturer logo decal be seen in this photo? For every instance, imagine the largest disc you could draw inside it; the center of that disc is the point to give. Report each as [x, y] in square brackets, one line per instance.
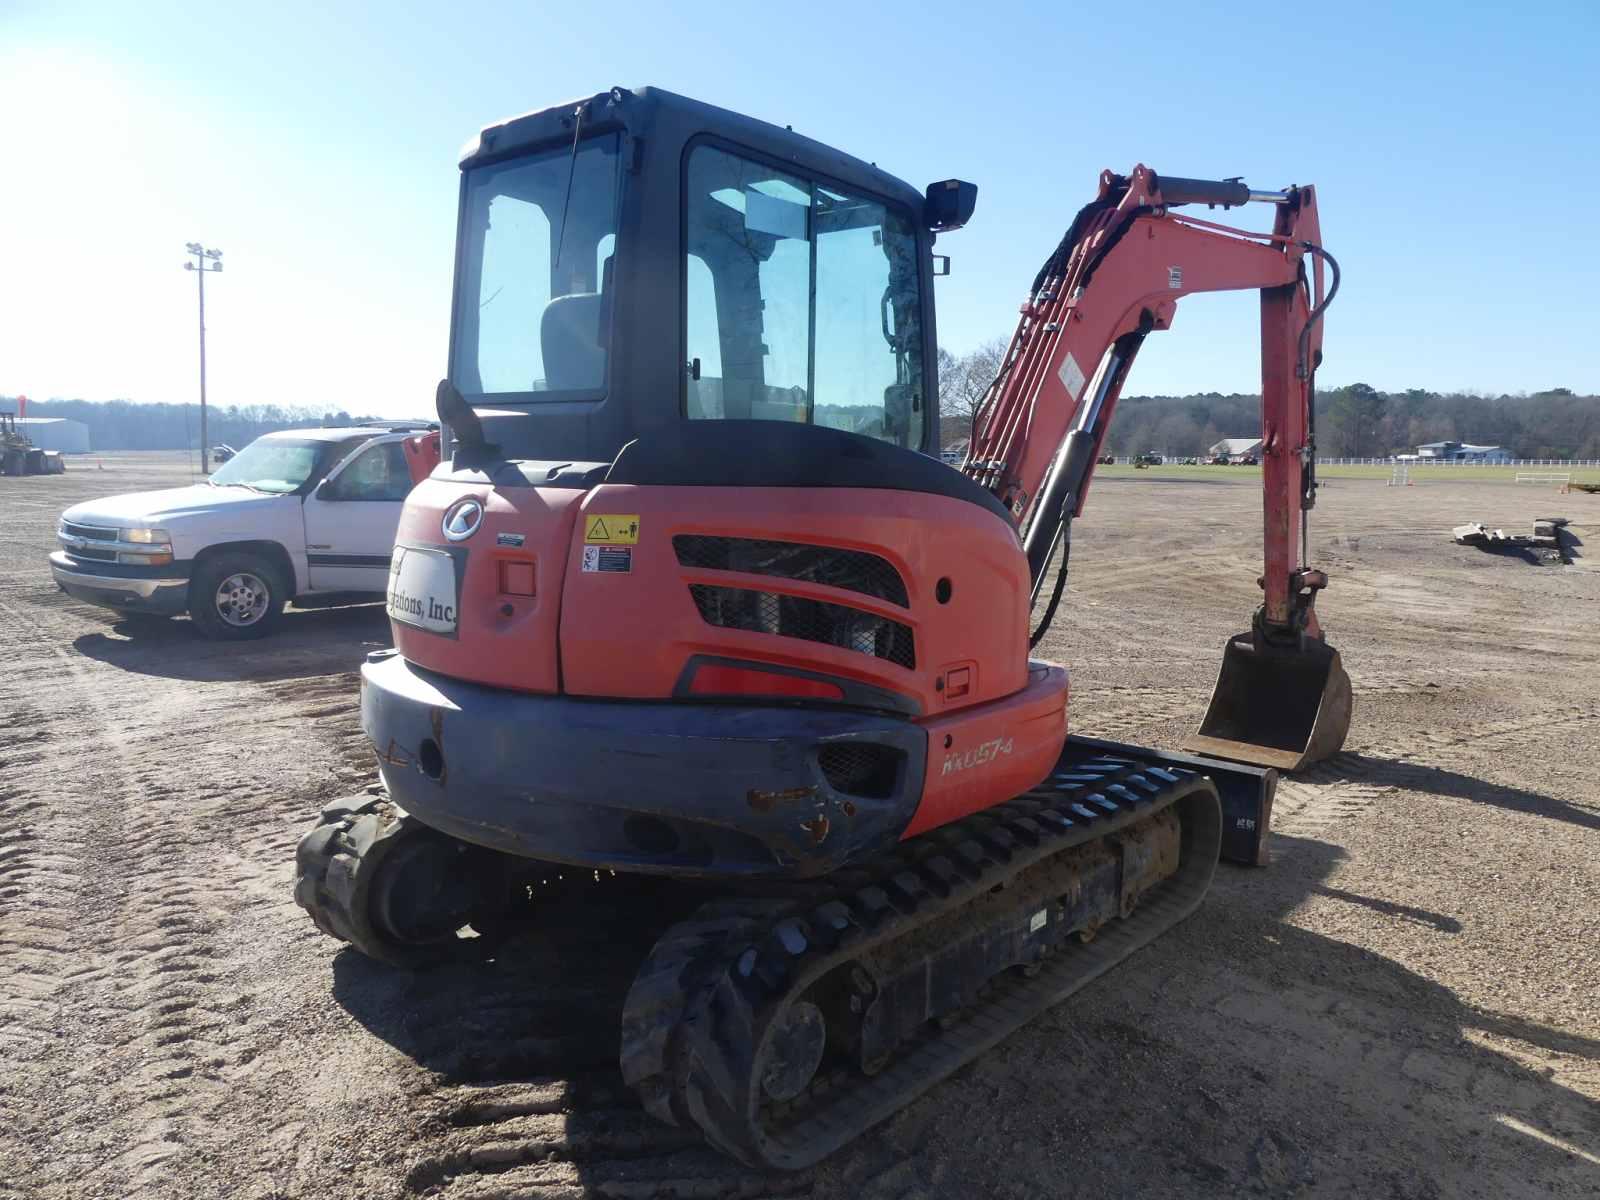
[461, 520]
[986, 752]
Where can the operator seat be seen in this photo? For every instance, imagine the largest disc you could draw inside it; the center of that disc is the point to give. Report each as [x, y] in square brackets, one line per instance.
[569, 336]
[573, 335]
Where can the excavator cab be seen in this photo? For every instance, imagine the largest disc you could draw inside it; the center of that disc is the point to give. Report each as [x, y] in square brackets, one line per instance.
[636, 260]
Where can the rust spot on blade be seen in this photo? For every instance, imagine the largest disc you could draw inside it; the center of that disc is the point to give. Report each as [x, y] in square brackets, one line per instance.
[847, 807]
[763, 801]
[394, 755]
[817, 827]
[436, 722]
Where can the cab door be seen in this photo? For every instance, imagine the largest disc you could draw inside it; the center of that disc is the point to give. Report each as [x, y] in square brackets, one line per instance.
[351, 517]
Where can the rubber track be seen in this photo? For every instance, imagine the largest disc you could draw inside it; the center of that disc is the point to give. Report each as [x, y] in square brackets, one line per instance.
[700, 1006]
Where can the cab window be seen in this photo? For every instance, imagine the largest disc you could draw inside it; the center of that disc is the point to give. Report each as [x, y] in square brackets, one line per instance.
[377, 473]
[801, 302]
[534, 300]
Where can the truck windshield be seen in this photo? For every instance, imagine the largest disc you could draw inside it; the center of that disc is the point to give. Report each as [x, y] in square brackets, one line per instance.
[271, 465]
[801, 302]
[533, 293]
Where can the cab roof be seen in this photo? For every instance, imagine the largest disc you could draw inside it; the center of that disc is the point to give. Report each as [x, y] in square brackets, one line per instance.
[646, 111]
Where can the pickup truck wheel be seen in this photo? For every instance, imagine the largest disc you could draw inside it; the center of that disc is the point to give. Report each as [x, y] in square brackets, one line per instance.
[233, 597]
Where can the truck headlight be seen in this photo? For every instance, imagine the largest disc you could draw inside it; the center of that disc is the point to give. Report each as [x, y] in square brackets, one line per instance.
[147, 537]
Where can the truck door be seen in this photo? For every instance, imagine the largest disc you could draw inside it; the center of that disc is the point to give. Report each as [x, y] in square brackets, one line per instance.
[351, 519]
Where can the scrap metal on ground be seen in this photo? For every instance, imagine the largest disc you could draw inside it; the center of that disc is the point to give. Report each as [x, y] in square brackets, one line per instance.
[1549, 541]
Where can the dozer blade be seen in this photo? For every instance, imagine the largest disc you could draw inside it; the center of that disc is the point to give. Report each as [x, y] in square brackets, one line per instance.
[1276, 706]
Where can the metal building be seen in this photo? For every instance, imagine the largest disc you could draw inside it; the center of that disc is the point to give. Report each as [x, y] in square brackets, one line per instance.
[56, 433]
[1230, 447]
[1462, 452]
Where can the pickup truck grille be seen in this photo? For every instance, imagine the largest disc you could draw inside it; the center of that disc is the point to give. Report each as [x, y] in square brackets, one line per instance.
[96, 532]
[92, 552]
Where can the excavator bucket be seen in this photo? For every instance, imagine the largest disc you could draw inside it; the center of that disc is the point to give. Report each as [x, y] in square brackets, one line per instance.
[1276, 706]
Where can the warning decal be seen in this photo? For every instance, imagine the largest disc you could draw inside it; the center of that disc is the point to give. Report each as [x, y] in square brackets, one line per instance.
[611, 529]
[1071, 376]
[608, 558]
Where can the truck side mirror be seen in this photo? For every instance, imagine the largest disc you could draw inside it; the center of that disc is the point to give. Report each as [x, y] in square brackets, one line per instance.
[948, 204]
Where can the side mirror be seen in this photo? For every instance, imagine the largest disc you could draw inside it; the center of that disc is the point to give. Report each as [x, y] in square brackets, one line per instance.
[948, 204]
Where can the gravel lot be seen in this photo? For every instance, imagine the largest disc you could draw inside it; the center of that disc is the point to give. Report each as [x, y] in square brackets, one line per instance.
[1406, 1003]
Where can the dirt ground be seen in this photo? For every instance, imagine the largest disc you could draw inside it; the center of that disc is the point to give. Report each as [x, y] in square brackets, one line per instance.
[1406, 1003]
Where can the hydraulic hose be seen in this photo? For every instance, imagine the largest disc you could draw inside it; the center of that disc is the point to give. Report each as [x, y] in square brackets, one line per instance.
[1308, 371]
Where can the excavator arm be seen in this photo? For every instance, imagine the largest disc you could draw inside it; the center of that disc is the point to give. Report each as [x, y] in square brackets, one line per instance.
[1116, 277]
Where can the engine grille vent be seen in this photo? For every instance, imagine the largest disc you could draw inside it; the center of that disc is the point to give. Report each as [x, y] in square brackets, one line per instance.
[860, 768]
[851, 570]
[810, 620]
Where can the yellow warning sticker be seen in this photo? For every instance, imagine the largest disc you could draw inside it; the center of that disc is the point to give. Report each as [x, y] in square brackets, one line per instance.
[611, 529]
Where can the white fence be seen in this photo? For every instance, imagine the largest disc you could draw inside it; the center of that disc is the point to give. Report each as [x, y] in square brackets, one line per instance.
[1427, 463]
[1447, 463]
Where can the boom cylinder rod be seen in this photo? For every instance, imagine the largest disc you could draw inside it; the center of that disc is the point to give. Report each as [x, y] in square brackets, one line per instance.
[1064, 486]
[1221, 193]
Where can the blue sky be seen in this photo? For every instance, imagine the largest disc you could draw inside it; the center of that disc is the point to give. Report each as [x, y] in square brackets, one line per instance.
[1454, 147]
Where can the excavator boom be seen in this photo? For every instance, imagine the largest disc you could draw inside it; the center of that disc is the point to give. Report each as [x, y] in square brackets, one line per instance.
[1282, 698]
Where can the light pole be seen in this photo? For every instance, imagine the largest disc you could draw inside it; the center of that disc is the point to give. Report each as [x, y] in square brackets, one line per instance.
[204, 260]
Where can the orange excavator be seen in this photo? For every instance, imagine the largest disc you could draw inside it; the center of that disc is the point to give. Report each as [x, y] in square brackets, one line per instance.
[692, 596]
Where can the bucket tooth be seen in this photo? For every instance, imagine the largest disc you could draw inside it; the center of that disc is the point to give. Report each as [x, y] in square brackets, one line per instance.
[1283, 707]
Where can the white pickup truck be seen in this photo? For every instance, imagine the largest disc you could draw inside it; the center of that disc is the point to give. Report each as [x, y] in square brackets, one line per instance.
[293, 514]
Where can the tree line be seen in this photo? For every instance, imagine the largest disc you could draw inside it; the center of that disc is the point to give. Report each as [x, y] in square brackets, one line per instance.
[126, 425]
[1356, 421]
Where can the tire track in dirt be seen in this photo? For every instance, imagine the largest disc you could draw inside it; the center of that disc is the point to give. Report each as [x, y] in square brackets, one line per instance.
[42, 872]
[163, 1021]
[580, 1135]
[39, 873]
[128, 879]
[1342, 787]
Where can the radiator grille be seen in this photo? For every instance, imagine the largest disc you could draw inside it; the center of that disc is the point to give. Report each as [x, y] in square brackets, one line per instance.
[851, 570]
[809, 620]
